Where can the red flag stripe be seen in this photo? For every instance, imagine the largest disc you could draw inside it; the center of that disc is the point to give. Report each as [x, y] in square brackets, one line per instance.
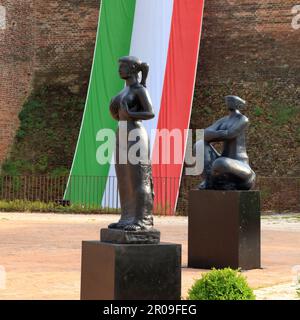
[177, 96]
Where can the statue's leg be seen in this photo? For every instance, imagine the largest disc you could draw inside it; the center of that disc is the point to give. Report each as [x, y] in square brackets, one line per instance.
[139, 204]
[126, 189]
[210, 155]
[231, 174]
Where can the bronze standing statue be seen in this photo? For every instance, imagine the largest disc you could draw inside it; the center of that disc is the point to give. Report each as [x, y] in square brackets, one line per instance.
[130, 107]
[229, 170]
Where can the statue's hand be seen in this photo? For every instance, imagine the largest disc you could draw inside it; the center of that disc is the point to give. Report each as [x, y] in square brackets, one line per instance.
[124, 106]
[114, 109]
[214, 135]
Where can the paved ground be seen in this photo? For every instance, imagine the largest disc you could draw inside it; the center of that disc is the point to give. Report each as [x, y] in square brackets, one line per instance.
[41, 253]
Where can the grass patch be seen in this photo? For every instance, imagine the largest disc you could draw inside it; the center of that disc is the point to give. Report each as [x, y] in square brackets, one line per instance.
[39, 206]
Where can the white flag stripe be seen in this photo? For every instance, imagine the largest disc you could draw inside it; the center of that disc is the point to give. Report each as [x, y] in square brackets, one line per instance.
[150, 43]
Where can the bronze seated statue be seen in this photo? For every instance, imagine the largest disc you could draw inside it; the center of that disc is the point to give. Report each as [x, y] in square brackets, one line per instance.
[229, 170]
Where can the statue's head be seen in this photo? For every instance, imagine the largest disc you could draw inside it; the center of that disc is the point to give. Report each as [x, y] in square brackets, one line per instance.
[234, 102]
[130, 66]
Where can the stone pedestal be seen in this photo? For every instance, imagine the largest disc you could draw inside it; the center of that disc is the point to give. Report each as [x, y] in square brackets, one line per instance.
[224, 229]
[112, 271]
[151, 236]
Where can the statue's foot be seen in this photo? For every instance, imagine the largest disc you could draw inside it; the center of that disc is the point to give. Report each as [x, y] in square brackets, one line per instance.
[227, 186]
[116, 225]
[203, 185]
[133, 227]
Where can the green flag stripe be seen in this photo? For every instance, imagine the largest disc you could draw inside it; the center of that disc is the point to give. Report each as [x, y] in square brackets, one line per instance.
[112, 41]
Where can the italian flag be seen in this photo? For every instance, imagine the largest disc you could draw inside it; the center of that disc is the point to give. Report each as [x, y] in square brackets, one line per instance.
[166, 35]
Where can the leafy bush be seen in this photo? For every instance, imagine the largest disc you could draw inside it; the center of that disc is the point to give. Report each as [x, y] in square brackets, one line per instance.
[222, 284]
[298, 289]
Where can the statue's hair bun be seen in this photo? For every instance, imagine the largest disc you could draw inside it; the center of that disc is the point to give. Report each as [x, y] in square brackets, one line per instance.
[138, 66]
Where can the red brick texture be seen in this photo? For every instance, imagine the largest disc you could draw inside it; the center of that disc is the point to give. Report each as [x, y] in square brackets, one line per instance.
[249, 41]
[44, 42]
[16, 63]
[248, 48]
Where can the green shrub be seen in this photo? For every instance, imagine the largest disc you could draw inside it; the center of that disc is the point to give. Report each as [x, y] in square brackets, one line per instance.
[298, 289]
[49, 123]
[222, 284]
[60, 172]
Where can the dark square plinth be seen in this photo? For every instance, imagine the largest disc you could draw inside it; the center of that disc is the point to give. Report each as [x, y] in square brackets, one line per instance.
[130, 271]
[224, 229]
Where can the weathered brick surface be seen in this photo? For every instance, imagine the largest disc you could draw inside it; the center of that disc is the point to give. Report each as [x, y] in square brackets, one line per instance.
[248, 48]
[44, 42]
[249, 41]
[65, 32]
[16, 58]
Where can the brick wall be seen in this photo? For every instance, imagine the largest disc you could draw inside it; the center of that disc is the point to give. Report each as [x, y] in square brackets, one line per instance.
[16, 61]
[65, 32]
[249, 41]
[44, 42]
[248, 48]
